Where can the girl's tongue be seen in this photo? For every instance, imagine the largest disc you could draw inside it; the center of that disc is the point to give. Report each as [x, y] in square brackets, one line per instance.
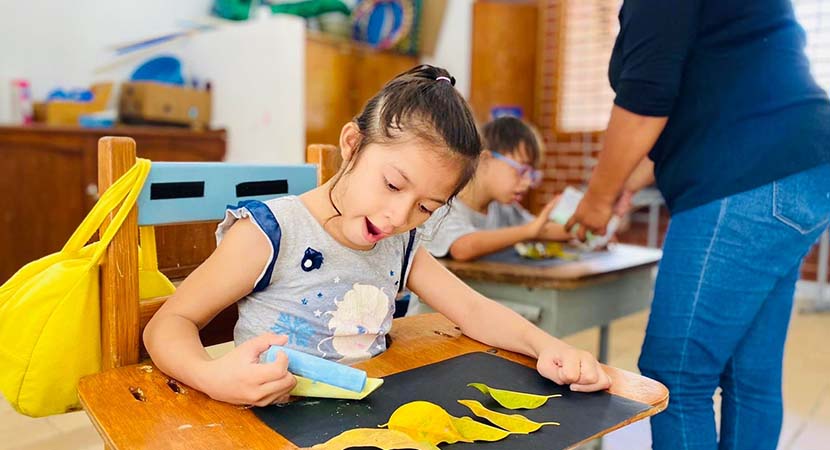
[375, 234]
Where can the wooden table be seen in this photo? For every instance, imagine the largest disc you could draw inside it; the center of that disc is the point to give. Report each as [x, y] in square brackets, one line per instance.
[571, 297]
[136, 407]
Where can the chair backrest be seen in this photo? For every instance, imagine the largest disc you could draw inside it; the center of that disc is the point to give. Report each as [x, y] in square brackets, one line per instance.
[180, 193]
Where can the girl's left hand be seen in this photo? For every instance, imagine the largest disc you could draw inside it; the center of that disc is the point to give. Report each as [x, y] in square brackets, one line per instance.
[578, 368]
[592, 214]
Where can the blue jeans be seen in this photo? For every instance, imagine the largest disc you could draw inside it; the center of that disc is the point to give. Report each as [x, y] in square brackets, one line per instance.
[721, 308]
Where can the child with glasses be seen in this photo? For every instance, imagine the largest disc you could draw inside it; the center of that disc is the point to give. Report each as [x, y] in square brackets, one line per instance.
[486, 217]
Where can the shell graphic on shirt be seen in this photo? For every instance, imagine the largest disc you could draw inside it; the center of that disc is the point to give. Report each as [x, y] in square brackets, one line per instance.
[357, 321]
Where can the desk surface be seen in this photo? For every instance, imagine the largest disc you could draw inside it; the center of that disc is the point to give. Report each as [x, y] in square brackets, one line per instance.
[619, 258]
[164, 419]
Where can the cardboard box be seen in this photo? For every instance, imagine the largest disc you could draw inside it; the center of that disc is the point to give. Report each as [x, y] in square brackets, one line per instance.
[63, 112]
[159, 103]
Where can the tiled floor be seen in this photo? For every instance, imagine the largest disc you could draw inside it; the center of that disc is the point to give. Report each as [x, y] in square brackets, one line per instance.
[806, 377]
[806, 381]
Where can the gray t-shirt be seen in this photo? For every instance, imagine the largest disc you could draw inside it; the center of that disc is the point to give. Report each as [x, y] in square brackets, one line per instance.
[458, 219]
[331, 301]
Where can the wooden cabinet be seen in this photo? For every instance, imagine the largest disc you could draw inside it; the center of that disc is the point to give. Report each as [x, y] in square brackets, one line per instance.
[340, 77]
[48, 179]
[503, 62]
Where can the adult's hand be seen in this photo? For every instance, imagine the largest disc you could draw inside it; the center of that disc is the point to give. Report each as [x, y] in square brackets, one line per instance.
[628, 139]
[592, 214]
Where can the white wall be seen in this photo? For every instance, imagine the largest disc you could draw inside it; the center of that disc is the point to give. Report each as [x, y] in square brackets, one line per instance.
[455, 44]
[58, 43]
[256, 68]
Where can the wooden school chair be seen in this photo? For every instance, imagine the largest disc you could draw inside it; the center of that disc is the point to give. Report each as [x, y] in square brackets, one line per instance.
[176, 193]
[137, 406]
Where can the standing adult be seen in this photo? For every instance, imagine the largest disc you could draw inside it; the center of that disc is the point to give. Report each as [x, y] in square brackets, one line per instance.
[718, 94]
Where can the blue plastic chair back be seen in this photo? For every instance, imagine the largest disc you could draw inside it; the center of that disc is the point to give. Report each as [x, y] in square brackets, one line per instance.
[193, 192]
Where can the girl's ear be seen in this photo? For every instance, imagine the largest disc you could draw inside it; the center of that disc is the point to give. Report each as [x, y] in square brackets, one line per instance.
[485, 154]
[349, 140]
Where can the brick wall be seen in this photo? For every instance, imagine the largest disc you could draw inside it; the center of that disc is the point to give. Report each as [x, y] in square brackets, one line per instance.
[576, 37]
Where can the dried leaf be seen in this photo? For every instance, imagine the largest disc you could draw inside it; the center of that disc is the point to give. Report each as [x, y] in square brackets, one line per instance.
[373, 437]
[477, 431]
[425, 422]
[543, 250]
[428, 422]
[513, 399]
[515, 423]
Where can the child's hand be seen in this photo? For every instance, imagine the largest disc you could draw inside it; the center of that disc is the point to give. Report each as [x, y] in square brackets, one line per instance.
[568, 365]
[623, 204]
[239, 378]
[537, 226]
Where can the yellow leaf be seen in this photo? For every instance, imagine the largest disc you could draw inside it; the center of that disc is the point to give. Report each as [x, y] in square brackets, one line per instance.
[476, 431]
[515, 423]
[513, 399]
[543, 250]
[428, 422]
[373, 437]
[425, 422]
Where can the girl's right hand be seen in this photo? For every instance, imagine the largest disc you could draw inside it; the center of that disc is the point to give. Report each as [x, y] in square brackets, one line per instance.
[239, 378]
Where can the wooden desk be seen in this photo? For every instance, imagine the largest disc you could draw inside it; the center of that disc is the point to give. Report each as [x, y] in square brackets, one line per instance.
[165, 419]
[571, 297]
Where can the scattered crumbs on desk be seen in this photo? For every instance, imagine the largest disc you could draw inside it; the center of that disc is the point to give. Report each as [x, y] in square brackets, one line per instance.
[146, 368]
[185, 426]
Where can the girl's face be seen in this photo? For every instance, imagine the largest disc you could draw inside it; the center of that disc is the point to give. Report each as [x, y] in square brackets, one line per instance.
[391, 188]
[506, 183]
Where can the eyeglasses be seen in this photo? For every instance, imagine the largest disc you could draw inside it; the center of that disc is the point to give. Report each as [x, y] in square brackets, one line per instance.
[524, 170]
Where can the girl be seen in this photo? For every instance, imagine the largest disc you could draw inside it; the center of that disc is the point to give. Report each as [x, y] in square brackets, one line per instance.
[318, 272]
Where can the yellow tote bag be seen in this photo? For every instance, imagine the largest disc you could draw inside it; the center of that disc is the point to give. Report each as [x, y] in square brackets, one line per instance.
[151, 282]
[50, 313]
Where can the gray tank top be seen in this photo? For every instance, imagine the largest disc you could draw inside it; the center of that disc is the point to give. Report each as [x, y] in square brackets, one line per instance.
[330, 300]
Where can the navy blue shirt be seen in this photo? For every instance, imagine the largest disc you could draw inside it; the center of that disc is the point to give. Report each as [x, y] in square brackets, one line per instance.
[733, 79]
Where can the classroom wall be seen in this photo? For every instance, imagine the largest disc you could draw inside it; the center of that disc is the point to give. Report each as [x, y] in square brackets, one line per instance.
[256, 69]
[59, 43]
[454, 47]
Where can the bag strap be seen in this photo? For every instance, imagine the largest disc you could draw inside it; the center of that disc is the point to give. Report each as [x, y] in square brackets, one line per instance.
[107, 203]
[147, 250]
[402, 301]
[143, 169]
[405, 264]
